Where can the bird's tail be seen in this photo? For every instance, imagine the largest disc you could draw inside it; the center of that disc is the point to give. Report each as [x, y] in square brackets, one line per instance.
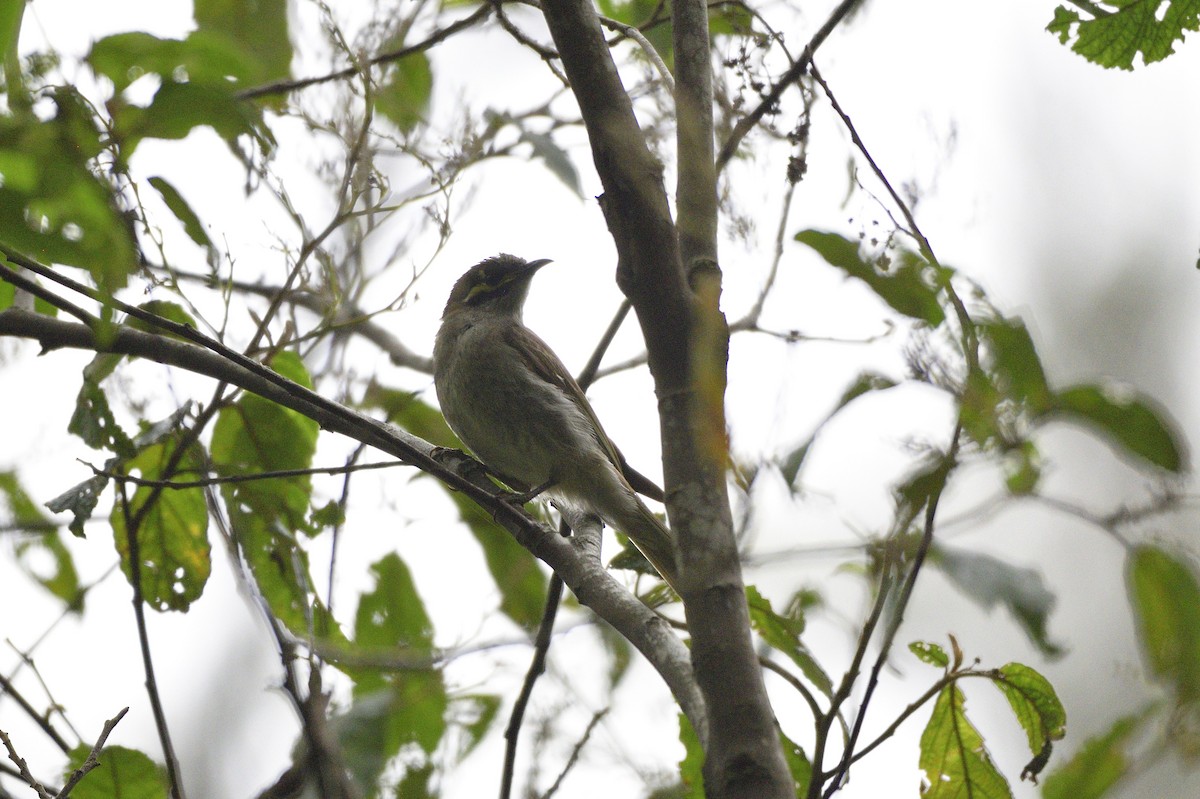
[650, 536]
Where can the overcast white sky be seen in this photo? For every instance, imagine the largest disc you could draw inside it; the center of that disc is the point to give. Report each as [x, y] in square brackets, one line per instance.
[1071, 193]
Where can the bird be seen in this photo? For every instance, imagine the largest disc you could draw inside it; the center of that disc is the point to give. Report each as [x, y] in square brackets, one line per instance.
[513, 403]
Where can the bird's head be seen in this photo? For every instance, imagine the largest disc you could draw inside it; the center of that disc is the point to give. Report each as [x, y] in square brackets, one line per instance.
[496, 285]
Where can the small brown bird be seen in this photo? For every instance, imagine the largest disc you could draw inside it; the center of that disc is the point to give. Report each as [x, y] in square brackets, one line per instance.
[511, 400]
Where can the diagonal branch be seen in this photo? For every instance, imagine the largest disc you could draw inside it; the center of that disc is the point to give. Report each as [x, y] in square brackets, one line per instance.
[589, 580]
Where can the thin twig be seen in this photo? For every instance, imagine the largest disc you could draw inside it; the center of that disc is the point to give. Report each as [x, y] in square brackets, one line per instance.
[798, 68]
[23, 768]
[902, 600]
[93, 758]
[133, 543]
[39, 719]
[537, 667]
[575, 752]
[241, 478]
[289, 86]
[967, 328]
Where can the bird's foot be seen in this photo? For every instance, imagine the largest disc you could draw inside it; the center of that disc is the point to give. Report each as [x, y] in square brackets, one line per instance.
[522, 497]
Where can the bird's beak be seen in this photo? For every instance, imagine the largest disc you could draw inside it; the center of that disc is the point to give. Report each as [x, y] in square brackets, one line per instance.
[533, 266]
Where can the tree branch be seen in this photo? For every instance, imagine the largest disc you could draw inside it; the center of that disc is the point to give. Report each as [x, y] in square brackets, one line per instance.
[590, 581]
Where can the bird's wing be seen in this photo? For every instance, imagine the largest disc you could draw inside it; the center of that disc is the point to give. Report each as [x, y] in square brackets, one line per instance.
[542, 361]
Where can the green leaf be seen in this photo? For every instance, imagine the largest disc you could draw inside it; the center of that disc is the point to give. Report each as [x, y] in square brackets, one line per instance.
[124, 773]
[404, 92]
[783, 633]
[258, 29]
[415, 783]
[94, 423]
[54, 206]
[619, 652]
[1098, 765]
[172, 537]
[391, 616]
[203, 57]
[409, 710]
[474, 715]
[62, 578]
[183, 212]
[1015, 362]
[989, 582]
[40, 538]
[910, 286]
[1038, 711]
[404, 408]
[927, 481]
[930, 653]
[520, 579]
[268, 517]
[691, 768]
[179, 108]
[1165, 595]
[1118, 30]
[953, 756]
[798, 764]
[1131, 422]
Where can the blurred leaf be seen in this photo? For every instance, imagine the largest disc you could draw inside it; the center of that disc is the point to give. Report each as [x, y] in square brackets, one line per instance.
[1098, 765]
[798, 764]
[404, 91]
[173, 548]
[1165, 596]
[907, 286]
[930, 653]
[269, 516]
[480, 712]
[953, 755]
[415, 784]
[94, 423]
[865, 383]
[40, 540]
[257, 28]
[521, 582]
[183, 212]
[179, 108]
[1022, 469]
[927, 481]
[81, 501]
[783, 633]
[989, 582]
[62, 579]
[54, 206]
[1037, 708]
[691, 768]
[556, 160]
[1115, 31]
[619, 651]
[1130, 422]
[391, 616]
[410, 709]
[124, 773]
[1015, 362]
[203, 57]
[404, 408]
